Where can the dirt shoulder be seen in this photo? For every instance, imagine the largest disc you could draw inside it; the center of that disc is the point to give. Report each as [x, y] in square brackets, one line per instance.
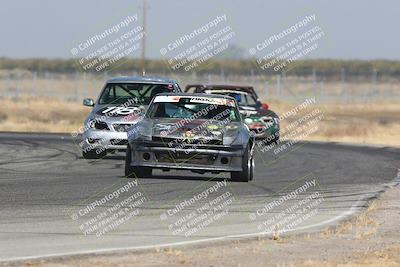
[370, 239]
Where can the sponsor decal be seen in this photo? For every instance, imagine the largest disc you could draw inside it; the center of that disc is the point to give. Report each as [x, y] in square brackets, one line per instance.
[122, 111]
[167, 98]
[187, 136]
[248, 112]
[201, 100]
[212, 100]
[212, 127]
[248, 108]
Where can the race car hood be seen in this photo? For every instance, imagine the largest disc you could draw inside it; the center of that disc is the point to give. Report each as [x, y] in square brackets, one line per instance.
[196, 129]
[230, 133]
[118, 113]
[250, 111]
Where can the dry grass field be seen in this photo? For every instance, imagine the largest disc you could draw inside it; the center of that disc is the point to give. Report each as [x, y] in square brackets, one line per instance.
[373, 123]
[377, 123]
[41, 115]
[353, 111]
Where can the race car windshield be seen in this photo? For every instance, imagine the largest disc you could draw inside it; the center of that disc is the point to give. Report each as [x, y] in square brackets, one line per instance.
[185, 109]
[242, 98]
[141, 94]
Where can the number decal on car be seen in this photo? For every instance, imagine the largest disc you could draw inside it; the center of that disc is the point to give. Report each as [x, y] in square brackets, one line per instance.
[121, 110]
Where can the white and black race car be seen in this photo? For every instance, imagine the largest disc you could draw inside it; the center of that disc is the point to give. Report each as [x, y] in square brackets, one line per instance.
[197, 132]
[120, 105]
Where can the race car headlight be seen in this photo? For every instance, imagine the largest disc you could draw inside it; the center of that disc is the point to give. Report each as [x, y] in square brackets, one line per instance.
[217, 133]
[142, 133]
[227, 140]
[270, 119]
[91, 124]
[231, 128]
[138, 132]
[248, 120]
[162, 129]
[98, 125]
[230, 135]
[267, 119]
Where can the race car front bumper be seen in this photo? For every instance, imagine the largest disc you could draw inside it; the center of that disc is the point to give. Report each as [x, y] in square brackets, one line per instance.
[210, 158]
[264, 131]
[104, 140]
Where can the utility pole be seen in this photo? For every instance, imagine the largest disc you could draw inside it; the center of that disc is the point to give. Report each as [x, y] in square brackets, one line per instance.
[278, 86]
[314, 81]
[144, 11]
[373, 84]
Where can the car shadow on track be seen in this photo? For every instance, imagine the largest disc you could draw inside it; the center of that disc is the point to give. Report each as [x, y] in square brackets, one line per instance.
[108, 157]
[181, 178]
[114, 157]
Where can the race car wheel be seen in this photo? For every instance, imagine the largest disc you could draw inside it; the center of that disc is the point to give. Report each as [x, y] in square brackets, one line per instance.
[134, 172]
[252, 168]
[277, 137]
[274, 140]
[247, 168]
[92, 154]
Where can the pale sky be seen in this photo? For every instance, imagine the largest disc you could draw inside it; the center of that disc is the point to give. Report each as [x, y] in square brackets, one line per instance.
[355, 29]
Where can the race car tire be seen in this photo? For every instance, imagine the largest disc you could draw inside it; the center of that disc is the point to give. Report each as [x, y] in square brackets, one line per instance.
[92, 154]
[135, 172]
[274, 140]
[247, 172]
[252, 168]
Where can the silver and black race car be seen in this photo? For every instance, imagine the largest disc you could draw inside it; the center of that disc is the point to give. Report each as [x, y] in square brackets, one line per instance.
[261, 120]
[120, 105]
[197, 132]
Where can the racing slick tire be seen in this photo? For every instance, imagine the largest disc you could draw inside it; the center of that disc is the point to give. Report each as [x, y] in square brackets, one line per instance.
[273, 140]
[135, 172]
[247, 172]
[92, 154]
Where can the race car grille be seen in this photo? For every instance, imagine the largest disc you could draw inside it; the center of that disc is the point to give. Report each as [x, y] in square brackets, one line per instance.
[118, 142]
[101, 125]
[186, 142]
[258, 130]
[182, 157]
[121, 127]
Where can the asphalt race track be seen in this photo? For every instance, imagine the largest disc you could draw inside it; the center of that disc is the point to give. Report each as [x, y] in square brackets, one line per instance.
[46, 186]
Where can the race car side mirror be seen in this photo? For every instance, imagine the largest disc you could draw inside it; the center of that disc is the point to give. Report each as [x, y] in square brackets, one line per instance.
[265, 106]
[88, 102]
